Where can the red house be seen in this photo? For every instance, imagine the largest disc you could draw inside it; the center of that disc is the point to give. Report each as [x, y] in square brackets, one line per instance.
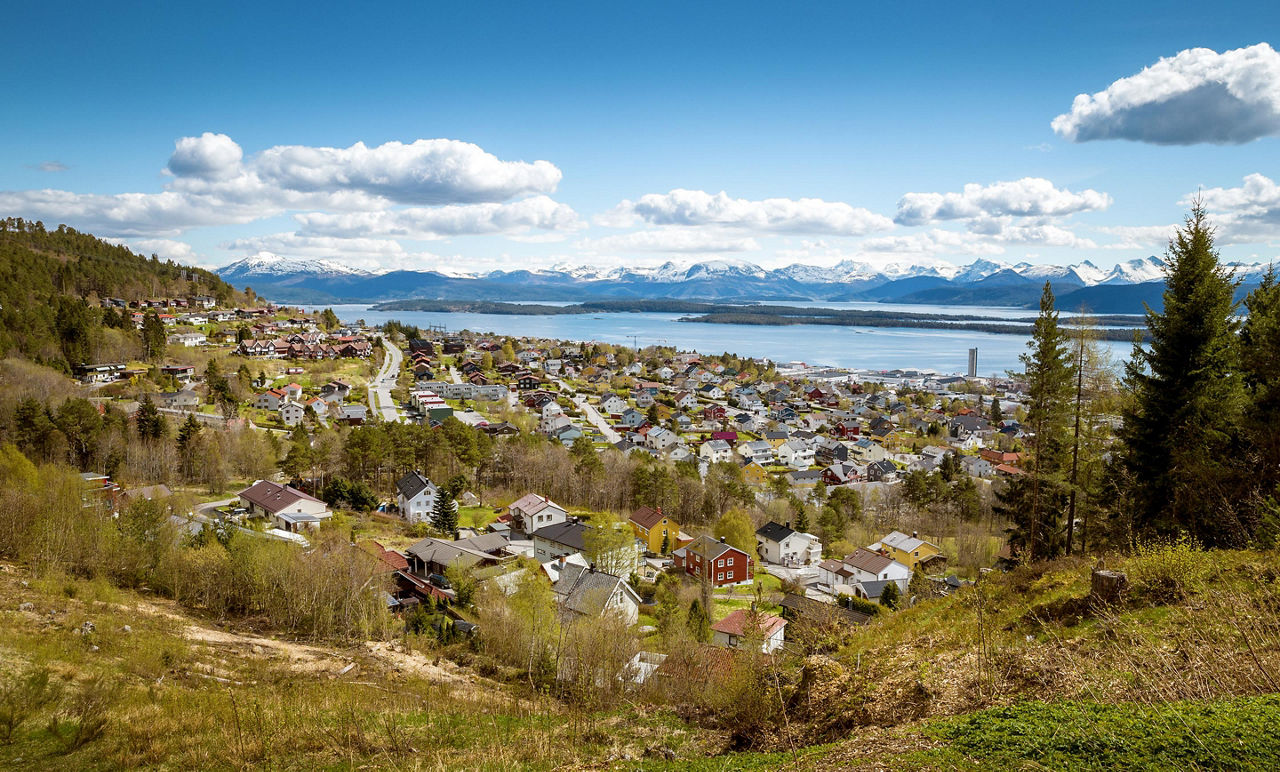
[846, 429]
[714, 413]
[715, 561]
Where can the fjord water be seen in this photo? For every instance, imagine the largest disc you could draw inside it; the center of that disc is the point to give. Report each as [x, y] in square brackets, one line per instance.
[876, 348]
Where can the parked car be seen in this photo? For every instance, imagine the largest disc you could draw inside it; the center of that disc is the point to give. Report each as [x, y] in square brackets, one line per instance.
[440, 581]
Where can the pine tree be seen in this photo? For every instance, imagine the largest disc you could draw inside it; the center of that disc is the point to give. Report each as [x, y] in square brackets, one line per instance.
[1187, 399]
[997, 415]
[889, 595]
[1033, 502]
[444, 514]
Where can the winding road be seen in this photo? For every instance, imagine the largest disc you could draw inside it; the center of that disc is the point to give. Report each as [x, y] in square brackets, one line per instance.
[382, 384]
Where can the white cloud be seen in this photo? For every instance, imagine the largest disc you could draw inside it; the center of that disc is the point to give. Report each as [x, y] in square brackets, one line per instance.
[771, 215]
[537, 212]
[1027, 197]
[213, 183]
[1196, 96]
[1008, 231]
[1153, 237]
[370, 254]
[208, 156]
[677, 240]
[428, 171]
[49, 166]
[1247, 214]
[934, 242]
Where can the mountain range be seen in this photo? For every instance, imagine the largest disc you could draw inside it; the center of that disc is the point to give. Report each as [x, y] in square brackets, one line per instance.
[1122, 289]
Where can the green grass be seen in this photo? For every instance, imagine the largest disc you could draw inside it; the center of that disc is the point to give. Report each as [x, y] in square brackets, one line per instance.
[1228, 734]
[475, 517]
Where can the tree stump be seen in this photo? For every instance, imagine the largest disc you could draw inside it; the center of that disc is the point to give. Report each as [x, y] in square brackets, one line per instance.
[1108, 587]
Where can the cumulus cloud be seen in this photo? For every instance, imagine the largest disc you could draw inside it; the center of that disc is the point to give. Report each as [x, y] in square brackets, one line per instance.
[1027, 197]
[214, 183]
[1138, 236]
[677, 240]
[537, 212]
[208, 156]
[1247, 214]
[1196, 96]
[771, 215]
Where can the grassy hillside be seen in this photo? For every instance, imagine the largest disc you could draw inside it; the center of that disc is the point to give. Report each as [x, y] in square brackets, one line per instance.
[1018, 672]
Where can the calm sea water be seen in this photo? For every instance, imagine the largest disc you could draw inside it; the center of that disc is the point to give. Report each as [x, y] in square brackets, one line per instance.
[876, 348]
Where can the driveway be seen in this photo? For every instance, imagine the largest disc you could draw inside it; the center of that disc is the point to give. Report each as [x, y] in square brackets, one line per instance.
[595, 418]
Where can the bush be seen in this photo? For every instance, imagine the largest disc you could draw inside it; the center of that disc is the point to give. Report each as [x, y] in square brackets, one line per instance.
[21, 697]
[861, 605]
[1170, 570]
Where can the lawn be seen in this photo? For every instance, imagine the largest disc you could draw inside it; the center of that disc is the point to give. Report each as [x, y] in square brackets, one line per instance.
[475, 517]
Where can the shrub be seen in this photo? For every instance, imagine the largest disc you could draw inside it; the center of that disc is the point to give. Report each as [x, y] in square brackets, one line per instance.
[1170, 570]
[861, 605]
[21, 697]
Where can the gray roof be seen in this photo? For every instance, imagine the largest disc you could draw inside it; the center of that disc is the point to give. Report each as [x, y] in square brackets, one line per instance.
[874, 588]
[568, 533]
[774, 532]
[583, 590]
[413, 483]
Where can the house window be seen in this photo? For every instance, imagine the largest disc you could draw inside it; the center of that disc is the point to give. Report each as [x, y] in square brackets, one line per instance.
[719, 564]
[720, 577]
[730, 562]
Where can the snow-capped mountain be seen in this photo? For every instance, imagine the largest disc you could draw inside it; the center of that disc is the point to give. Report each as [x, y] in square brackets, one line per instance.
[1122, 289]
[1136, 271]
[267, 265]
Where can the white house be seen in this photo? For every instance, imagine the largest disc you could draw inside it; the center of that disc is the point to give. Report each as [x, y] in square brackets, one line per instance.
[291, 413]
[416, 496]
[288, 508]
[533, 512]
[863, 566]
[796, 454]
[785, 546]
[660, 439]
[613, 405]
[187, 339]
[715, 451]
[734, 631]
[586, 592]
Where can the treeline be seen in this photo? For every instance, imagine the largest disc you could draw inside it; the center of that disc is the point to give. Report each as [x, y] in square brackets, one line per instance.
[51, 281]
[1196, 451]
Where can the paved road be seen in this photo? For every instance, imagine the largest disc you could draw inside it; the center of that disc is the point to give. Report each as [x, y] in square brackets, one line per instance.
[453, 374]
[380, 387]
[596, 419]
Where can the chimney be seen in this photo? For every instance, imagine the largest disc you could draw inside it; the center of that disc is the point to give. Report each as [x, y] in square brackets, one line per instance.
[915, 534]
[722, 540]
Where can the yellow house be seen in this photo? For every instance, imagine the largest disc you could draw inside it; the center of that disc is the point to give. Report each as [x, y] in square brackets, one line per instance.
[653, 528]
[910, 551]
[755, 474]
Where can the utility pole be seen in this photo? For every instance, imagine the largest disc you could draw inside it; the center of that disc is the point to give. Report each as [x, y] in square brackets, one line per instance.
[1075, 446]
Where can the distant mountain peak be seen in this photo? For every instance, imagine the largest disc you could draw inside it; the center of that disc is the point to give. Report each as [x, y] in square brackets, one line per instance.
[269, 265]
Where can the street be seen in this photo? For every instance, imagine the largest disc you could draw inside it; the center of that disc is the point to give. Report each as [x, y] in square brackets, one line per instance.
[380, 387]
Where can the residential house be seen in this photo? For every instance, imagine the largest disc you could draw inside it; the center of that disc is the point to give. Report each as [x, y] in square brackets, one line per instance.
[533, 512]
[288, 508]
[632, 418]
[757, 450]
[715, 451]
[659, 533]
[976, 466]
[842, 473]
[558, 540]
[179, 400]
[796, 455]
[435, 556]
[660, 439]
[613, 405]
[734, 631]
[754, 473]
[780, 544]
[590, 593]
[911, 551]
[882, 471]
[291, 413]
[416, 496]
[863, 566]
[686, 400]
[711, 391]
[714, 561]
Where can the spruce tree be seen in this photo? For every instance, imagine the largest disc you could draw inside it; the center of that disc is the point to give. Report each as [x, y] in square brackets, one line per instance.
[1260, 368]
[1180, 425]
[149, 422]
[1033, 502]
[444, 514]
[698, 621]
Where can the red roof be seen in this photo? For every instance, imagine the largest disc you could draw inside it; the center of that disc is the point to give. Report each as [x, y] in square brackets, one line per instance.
[646, 517]
[736, 622]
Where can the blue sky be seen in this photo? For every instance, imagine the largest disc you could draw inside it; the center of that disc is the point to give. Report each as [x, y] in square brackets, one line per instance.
[835, 131]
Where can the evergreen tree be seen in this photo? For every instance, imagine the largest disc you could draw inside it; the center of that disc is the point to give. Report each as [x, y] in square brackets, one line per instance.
[1034, 501]
[698, 621]
[153, 337]
[1260, 367]
[150, 423]
[444, 514]
[188, 441]
[889, 596]
[1187, 399]
[997, 415]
